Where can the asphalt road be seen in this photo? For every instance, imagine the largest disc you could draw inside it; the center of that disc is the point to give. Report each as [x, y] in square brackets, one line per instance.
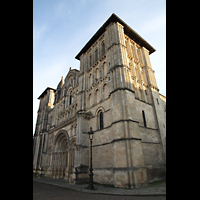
[42, 191]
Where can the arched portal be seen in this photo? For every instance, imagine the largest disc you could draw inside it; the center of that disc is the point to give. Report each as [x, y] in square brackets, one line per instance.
[60, 154]
[63, 157]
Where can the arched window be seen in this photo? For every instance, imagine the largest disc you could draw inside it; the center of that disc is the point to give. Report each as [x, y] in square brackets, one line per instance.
[51, 120]
[144, 119]
[105, 91]
[141, 94]
[138, 54]
[97, 96]
[104, 69]
[103, 48]
[90, 80]
[89, 101]
[146, 95]
[101, 120]
[90, 60]
[132, 49]
[96, 55]
[97, 73]
[70, 98]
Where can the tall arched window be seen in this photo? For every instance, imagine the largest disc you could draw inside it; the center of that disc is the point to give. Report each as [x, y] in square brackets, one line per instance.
[97, 96]
[90, 60]
[101, 120]
[97, 74]
[104, 69]
[146, 95]
[51, 119]
[138, 54]
[103, 48]
[90, 80]
[144, 119]
[89, 101]
[141, 94]
[96, 55]
[105, 91]
[70, 98]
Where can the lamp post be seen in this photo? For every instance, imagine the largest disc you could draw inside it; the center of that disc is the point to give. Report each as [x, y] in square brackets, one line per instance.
[90, 169]
[90, 133]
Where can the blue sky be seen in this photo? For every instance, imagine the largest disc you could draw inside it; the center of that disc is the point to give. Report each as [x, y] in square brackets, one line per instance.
[62, 27]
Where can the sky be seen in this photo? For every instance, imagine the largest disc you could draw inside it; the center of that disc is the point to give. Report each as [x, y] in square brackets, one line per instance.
[61, 28]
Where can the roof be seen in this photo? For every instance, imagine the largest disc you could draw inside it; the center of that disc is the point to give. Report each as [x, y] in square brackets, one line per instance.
[45, 92]
[127, 30]
[162, 95]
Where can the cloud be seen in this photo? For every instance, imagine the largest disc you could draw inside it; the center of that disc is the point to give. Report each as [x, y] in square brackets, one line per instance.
[39, 31]
[61, 9]
[154, 24]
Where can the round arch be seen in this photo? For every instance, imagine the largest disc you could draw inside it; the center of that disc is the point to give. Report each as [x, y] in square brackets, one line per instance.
[105, 83]
[70, 75]
[99, 113]
[101, 108]
[61, 137]
[72, 142]
[60, 154]
[69, 90]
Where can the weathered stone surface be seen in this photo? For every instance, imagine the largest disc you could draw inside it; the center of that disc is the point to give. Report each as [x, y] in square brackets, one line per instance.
[116, 79]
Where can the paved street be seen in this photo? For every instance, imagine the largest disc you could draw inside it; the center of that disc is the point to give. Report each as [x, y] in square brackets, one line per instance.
[42, 191]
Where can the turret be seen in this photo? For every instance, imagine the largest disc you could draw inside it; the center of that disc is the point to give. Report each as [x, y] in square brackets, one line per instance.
[58, 90]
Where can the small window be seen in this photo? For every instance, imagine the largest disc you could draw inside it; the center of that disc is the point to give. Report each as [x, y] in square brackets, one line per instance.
[101, 120]
[144, 120]
[138, 54]
[90, 60]
[70, 98]
[44, 143]
[51, 119]
[103, 48]
[157, 101]
[96, 55]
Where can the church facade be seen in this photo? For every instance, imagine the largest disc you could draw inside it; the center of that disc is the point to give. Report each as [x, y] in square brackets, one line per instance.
[114, 92]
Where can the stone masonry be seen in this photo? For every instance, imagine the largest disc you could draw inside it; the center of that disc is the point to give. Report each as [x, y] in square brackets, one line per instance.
[114, 92]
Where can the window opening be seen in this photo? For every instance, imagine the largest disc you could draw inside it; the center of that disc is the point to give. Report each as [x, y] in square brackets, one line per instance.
[101, 120]
[70, 98]
[144, 120]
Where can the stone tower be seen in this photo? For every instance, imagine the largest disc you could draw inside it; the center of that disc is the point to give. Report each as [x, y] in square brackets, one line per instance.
[119, 58]
[46, 104]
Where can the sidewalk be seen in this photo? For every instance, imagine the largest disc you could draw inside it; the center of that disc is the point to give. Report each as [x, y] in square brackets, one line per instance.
[154, 189]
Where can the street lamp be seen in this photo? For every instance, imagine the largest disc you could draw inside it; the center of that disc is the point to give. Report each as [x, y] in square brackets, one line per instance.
[90, 133]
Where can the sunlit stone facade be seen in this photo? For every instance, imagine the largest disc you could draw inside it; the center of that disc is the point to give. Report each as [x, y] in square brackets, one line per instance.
[114, 92]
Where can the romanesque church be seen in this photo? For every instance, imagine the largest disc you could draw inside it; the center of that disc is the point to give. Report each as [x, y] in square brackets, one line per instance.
[114, 92]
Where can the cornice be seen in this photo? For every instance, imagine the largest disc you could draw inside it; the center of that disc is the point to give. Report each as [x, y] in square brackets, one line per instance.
[116, 66]
[127, 30]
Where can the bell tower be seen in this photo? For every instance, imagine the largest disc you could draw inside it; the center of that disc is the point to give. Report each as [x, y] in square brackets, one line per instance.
[46, 103]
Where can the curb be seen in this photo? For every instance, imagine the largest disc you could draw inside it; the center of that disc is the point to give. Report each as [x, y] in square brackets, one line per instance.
[104, 193]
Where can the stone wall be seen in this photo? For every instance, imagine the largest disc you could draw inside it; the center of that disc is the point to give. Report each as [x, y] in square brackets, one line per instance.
[115, 78]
